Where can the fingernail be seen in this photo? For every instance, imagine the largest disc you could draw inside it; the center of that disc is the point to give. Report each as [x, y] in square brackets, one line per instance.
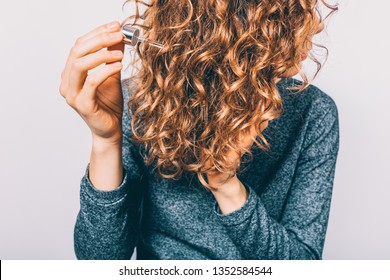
[116, 53]
[116, 35]
[113, 25]
[117, 64]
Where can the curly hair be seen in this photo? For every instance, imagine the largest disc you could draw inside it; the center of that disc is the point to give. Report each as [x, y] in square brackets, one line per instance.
[214, 78]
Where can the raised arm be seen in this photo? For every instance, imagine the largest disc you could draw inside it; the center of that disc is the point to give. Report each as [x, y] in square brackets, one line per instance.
[107, 225]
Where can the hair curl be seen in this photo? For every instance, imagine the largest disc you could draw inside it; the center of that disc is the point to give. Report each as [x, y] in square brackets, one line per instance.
[214, 78]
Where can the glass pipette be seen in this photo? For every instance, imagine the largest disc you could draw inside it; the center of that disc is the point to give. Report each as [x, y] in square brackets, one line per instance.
[132, 37]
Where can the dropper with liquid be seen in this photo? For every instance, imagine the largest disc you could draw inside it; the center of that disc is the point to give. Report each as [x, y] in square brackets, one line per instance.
[132, 37]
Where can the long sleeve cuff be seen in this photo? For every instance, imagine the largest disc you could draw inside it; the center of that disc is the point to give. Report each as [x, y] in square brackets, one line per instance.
[107, 223]
[105, 197]
[240, 215]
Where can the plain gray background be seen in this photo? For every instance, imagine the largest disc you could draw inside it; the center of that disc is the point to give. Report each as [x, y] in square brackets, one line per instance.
[45, 145]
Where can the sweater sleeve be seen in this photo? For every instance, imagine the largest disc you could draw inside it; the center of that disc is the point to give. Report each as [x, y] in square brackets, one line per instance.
[300, 234]
[107, 225]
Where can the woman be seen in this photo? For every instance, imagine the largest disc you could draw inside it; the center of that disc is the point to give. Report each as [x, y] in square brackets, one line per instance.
[217, 92]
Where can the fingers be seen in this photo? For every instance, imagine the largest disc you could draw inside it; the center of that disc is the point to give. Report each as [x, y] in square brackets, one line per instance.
[105, 28]
[93, 45]
[96, 43]
[80, 67]
[98, 77]
[86, 54]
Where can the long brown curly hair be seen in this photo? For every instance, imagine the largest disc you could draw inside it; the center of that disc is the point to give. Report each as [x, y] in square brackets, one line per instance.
[214, 78]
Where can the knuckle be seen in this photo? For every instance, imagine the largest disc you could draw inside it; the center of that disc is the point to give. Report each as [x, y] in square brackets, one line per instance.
[105, 29]
[91, 81]
[78, 41]
[77, 64]
[75, 50]
[109, 55]
[62, 90]
[84, 106]
[70, 102]
[106, 38]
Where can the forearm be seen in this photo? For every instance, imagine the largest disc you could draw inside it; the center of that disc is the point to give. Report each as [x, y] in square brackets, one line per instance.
[261, 237]
[244, 215]
[106, 167]
[106, 225]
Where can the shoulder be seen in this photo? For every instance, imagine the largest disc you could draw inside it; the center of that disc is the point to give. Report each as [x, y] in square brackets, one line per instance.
[312, 101]
[309, 120]
[128, 87]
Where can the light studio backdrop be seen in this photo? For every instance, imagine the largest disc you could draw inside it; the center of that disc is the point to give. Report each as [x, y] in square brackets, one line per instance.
[45, 145]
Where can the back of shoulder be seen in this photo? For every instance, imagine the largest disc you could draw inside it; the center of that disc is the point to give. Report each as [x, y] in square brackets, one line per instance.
[315, 115]
[312, 101]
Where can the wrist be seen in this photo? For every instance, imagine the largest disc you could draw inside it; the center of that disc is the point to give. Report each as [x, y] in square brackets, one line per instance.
[102, 145]
[231, 196]
[231, 189]
[106, 167]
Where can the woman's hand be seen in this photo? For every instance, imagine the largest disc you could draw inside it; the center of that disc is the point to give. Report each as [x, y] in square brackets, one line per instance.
[217, 179]
[231, 194]
[97, 96]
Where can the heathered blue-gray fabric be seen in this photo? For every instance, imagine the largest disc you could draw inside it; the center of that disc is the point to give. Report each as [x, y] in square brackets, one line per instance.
[285, 216]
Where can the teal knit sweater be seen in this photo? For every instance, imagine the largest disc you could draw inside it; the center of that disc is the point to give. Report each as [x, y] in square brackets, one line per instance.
[285, 216]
